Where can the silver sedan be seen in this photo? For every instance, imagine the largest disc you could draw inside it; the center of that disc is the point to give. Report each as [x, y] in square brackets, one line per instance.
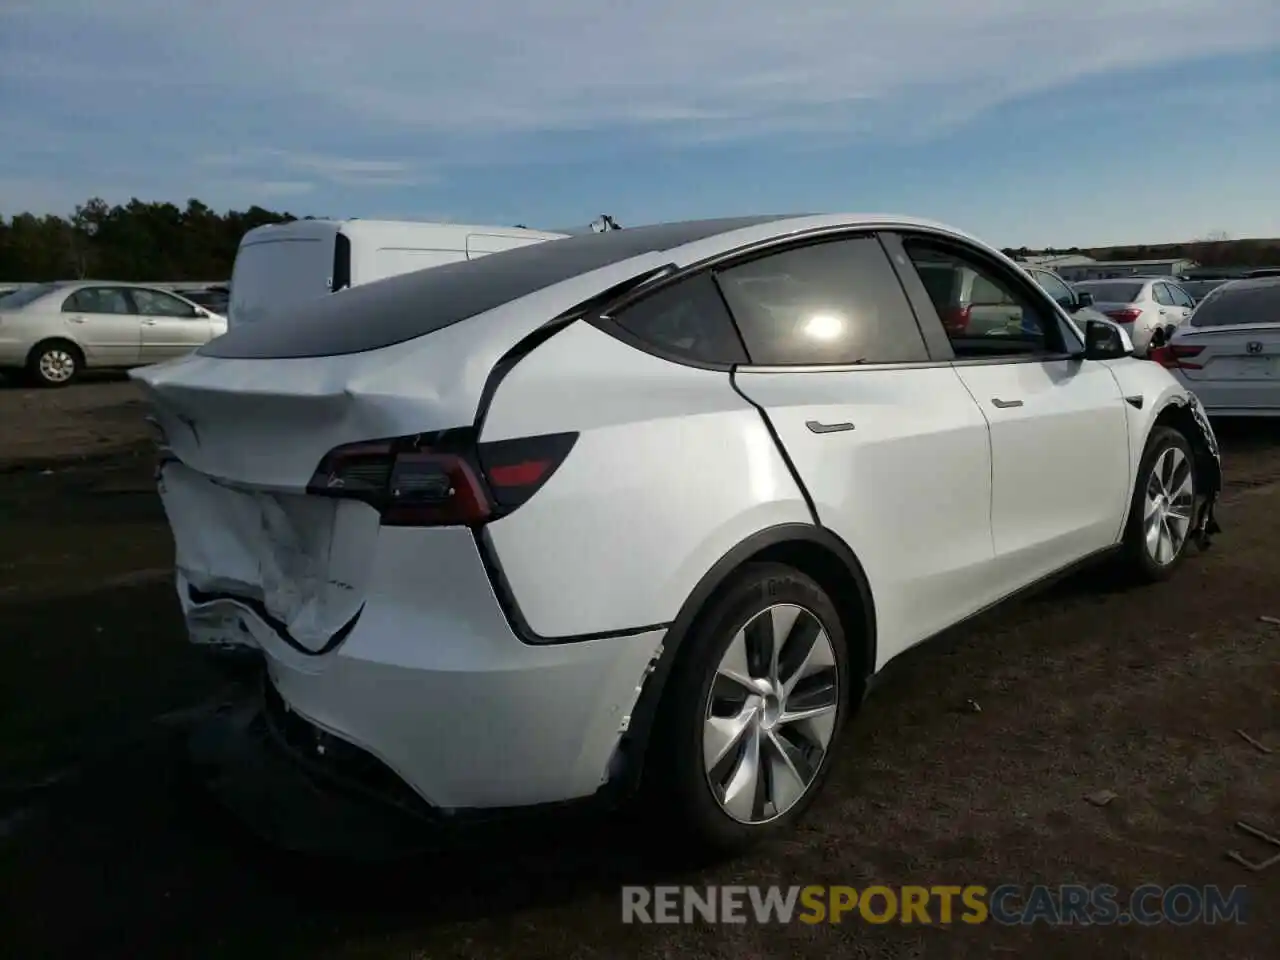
[53, 331]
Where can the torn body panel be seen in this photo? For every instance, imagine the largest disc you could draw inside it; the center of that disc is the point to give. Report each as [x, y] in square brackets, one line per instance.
[1208, 469]
[303, 560]
[431, 680]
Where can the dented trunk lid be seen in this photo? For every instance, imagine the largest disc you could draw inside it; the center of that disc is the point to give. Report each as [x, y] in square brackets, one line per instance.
[242, 440]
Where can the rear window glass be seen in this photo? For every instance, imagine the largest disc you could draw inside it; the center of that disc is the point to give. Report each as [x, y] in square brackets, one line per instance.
[21, 297]
[1111, 292]
[391, 311]
[1201, 288]
[687, 321]
[1244, 302]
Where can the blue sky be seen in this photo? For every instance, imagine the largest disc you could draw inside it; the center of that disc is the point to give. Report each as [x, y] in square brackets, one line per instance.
[1024, 121]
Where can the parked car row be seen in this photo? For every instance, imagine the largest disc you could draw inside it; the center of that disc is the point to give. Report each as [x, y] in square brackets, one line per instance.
[1229, 351]
[641, 514]
[1141, 304]
[52, 331]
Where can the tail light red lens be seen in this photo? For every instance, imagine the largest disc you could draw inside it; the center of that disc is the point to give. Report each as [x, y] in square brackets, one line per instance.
[1125, 315]
[1175, 356]
[956, 319]
[441, 479]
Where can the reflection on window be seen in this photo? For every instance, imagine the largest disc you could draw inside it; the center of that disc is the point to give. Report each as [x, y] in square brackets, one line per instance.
[824, 327]
[834, 302]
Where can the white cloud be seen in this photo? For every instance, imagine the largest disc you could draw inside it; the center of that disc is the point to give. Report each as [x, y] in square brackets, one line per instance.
[714, 68]
[345, 171]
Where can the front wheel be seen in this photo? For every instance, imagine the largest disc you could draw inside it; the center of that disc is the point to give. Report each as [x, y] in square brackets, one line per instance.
[1162, 514]
[754, 710]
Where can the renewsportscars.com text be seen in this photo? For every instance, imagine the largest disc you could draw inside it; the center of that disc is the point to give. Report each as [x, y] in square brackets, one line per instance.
[1009, 904]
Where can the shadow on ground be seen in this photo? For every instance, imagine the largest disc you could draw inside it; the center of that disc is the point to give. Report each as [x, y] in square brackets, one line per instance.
[969, 765]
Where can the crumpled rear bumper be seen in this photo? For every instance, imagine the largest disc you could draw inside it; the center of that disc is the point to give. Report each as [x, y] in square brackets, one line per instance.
[244, 759]
[304, 791]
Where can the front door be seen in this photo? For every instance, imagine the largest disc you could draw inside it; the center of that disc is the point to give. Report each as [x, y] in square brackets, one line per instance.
[1059, 430]
[170, 327]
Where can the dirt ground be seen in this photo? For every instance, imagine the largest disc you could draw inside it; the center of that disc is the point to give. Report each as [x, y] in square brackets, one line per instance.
[107, 849]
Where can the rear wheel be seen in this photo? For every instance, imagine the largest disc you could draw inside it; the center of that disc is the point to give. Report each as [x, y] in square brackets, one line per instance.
[1163, 509]
[54, 363]
[753, 711]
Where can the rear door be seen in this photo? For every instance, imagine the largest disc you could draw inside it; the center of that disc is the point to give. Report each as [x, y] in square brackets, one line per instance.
[1059, 428]
[103, 321]
[1229, 353]
[891, 448]
[171, 327]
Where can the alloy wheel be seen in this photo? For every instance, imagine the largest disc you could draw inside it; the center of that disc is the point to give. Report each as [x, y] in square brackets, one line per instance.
[770, 714]
[57, 365]
[1170, 497]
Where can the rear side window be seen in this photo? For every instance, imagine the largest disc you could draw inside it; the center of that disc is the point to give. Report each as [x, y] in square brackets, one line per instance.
[1162, 295]
[685, 321]
[829, 303]
[97, 300]
[1243, 304]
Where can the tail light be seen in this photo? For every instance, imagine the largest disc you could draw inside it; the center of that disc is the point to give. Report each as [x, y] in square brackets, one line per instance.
[1125, 315]
[1175, 356]
[442, 479]
[956, 319]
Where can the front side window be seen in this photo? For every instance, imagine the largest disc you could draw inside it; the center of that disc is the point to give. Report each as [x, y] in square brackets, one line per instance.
[1180, 297]
[1054, 287]
[985, 312]
[833, 302]
[153, 303]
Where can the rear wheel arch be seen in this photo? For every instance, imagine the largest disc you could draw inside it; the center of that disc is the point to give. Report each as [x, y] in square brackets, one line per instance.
[815, 551]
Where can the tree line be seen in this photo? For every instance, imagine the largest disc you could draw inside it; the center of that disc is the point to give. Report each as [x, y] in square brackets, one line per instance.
[161, 241]
[132, 241]
[1215, 250]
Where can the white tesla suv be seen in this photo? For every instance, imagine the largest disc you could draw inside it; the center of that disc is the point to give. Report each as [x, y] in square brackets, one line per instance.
[662, 500]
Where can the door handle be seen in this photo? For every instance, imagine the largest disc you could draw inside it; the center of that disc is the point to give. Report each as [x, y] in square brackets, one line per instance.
[76, 319]
[149, 323]
[1005, 404]
[817, 427]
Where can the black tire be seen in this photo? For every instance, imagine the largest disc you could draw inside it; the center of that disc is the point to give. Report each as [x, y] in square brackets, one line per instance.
[1137, 556]
[54, 355]
[680, 787]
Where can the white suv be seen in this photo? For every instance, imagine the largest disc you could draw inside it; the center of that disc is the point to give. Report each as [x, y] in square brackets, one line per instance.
[662, 500]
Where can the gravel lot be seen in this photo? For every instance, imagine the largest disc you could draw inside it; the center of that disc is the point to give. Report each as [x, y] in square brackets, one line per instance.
[1080, 689]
